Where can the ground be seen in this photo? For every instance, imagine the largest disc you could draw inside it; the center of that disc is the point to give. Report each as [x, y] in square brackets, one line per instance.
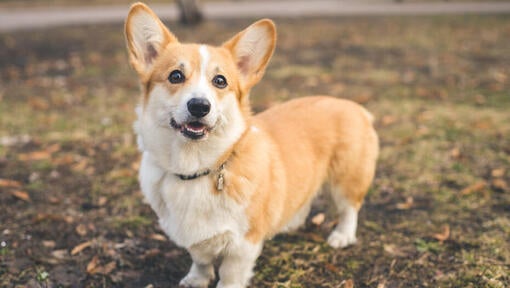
[437, 215]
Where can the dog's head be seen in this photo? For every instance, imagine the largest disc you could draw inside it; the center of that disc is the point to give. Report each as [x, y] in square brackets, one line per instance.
[194, 93]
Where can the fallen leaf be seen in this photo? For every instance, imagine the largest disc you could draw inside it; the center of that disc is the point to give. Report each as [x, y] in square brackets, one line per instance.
[388, 120]
[102, 201]
[444, 235]
[77, 249]
[480, 99]
[9, 183]
[332, 268]
[21, 195]
[93, 264]
[498, 173]
[53, 200]
[315, 237]
[59, 254]
[49, 243]
[476, 187]
[151, 253]
[361, 98]
[38, 103]
[348, 284]
[81, 230]
[34, 156]
[393, 250]
[318, 219]
[455, 153]
[66, 159]
[406, 205]
[53, 148]
[158, 237]
[500, 184]
[121, 173]
[80, 166]
[106, 269]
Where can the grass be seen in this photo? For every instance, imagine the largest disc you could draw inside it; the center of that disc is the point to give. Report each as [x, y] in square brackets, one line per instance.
[438, 87]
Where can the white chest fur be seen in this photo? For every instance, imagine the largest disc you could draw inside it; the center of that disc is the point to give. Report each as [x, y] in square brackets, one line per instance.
[189, 211]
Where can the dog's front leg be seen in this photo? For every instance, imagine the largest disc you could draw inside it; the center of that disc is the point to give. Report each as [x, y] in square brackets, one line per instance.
[237, 265]
[201, 272]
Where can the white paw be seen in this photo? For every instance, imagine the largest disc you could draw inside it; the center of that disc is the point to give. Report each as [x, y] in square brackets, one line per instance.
[340, 240]
[195, 281]
[221, 285]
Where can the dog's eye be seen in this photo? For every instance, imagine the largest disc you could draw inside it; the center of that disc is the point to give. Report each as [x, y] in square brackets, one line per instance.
[176, 77]
[219, 81]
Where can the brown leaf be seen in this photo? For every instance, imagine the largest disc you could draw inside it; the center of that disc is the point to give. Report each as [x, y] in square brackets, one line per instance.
[158, 237]
[49, 243]
[318, 219]
[388, 120]
[59, 254]
[393, 250]
[81, 165]
[77, 249]
[151, 253]
[444, 235]
[38, 103]
[455, 153]
[332, 268]
[498, 173]
[348, 284]
[53, 148]
[34, 156]
[500, 184]
[9, 183]
[406, 205]
[121, 173]
[102, 201]
[21, 195]
[81, 230]
[92, 265]
[106, 269]
[476, 187]
[66, 159]
[361, 98]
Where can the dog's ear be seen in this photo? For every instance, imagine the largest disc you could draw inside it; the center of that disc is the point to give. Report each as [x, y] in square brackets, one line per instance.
[252, 48]
[146, 37]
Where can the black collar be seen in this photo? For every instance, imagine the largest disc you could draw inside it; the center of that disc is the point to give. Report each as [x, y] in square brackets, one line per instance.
[193, 176]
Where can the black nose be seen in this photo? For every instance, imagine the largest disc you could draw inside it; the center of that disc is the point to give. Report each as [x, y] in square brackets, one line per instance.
[199, 107]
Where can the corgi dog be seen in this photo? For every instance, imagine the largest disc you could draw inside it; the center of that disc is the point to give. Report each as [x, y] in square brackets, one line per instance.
[222, 180]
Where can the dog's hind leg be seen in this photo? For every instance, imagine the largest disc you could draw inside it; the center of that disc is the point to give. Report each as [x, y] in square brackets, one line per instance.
[348, 185]
[344, 233]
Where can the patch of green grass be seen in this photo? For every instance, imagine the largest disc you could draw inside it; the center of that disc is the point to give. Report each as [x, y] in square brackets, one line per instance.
[132, 222]
[42, 276]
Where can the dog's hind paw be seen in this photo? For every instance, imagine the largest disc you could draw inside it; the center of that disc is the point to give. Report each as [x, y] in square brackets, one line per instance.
[194, 281]
[340, 240]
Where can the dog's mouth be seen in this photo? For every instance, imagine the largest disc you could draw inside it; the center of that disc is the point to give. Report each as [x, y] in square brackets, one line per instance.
[194, 130]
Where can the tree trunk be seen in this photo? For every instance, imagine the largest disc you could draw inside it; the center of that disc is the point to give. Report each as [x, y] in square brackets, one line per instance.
[190, 13]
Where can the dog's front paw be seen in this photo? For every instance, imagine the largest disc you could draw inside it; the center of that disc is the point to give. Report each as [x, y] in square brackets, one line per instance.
[222, 285]
[195, 281]
[340, 240]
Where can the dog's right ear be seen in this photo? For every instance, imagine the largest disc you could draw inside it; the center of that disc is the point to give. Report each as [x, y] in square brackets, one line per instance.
[146, 37]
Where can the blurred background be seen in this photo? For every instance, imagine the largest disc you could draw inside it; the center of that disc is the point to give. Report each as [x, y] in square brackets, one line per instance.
[434, 73]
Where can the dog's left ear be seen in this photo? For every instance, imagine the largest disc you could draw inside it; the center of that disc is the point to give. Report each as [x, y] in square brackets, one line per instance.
[146, 37]
[252, 48]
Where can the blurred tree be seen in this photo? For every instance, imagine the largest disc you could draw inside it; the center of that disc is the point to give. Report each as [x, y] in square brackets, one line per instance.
[190, 13]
